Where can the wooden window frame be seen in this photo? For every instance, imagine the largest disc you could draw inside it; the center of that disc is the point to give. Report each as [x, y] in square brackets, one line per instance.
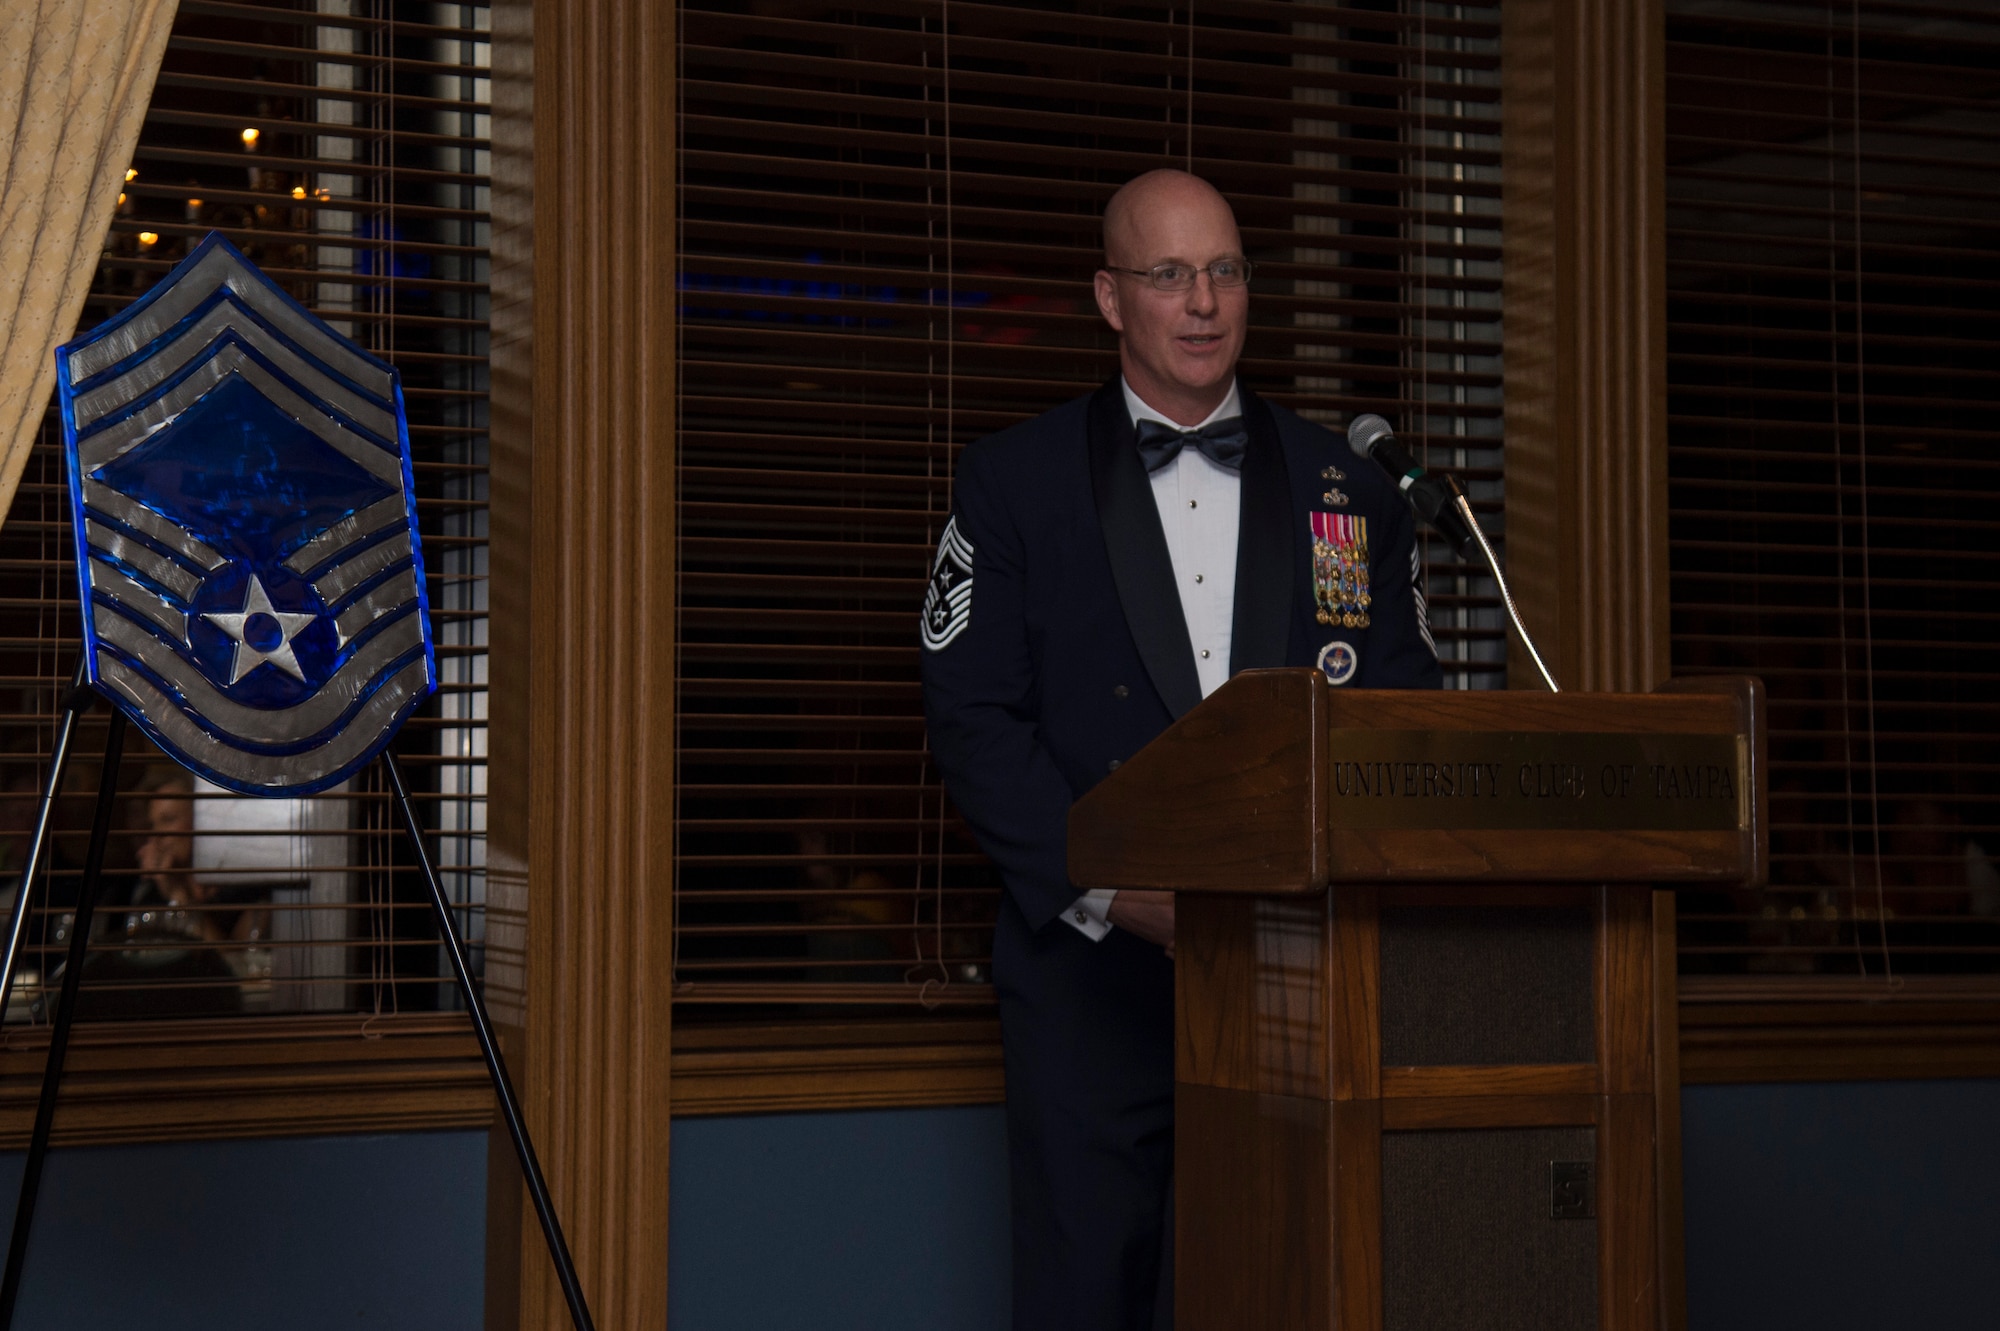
[1737, 1030]
[1822, 536]
[137, 1082]
[286, 1076]
[847, 1065]
[1586, 409]
[812, 870]
[293, 1074]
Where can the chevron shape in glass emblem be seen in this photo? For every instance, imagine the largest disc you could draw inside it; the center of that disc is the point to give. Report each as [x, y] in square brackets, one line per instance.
[246, 535]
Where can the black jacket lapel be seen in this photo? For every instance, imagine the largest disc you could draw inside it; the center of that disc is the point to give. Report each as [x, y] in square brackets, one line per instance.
[1141, 568]
[1260, 629]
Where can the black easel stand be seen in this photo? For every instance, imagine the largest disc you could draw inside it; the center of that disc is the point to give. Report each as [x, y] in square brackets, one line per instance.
[79, 939]
[524, 1149]
[75, 702]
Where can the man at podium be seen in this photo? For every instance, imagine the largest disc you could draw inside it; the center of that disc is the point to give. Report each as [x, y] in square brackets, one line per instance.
[1108, 565]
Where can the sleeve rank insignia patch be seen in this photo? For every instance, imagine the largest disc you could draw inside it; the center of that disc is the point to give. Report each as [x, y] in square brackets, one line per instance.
[948, 600]
[1340, 569]
[246, 535]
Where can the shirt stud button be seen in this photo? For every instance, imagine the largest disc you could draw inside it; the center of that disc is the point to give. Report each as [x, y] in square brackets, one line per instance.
[1191, 503]
[1197, 577]
[1204, 653]
[1114, 764]
[1121, 692]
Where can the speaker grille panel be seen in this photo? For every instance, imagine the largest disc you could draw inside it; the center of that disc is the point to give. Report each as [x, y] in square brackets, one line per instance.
[1468, 1240]
[1485, 984]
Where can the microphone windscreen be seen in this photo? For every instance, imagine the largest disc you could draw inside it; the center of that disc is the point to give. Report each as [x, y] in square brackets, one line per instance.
[1365, 431]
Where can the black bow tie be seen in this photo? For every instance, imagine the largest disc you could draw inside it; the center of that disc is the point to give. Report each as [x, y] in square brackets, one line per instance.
[1222, 442]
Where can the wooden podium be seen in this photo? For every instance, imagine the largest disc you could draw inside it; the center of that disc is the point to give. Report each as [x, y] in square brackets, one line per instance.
[1427, 1070]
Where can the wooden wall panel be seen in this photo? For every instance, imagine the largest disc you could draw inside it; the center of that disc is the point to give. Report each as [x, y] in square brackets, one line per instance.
[582, 637]
[1585, 337]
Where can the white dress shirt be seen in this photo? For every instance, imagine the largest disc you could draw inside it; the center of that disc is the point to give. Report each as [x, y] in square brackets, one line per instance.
[1199, 511]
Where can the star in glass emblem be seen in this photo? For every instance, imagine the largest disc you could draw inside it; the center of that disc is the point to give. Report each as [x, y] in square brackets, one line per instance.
[262, 633]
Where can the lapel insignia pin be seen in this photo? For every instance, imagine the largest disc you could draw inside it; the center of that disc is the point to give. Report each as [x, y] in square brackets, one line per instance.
[1332, 474]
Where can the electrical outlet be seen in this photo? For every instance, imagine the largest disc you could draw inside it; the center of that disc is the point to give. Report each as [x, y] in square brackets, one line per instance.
[1572, 1190]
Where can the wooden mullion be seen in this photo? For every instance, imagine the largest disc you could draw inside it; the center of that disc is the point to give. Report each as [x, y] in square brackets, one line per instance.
[583, 521]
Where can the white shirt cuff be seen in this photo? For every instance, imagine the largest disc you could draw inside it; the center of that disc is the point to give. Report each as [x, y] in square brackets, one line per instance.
[1090, 913]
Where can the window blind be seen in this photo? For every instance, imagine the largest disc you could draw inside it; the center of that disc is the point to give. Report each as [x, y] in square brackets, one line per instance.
[888, 226]
[341, 145]
[1833, 265]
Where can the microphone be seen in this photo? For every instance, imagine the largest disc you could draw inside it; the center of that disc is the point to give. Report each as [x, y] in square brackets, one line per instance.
[1434, 498]
[1443, 504]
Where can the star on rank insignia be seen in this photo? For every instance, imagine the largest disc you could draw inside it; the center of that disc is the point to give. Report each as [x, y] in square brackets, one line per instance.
[245, 522]
[262, 633]
[1340, 570]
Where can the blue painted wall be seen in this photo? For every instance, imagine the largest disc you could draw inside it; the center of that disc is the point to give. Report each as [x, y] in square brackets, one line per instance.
[1841, 1206]
[872, 1221]
[1831, 1206]
[1857, 1205]
[303, 1234]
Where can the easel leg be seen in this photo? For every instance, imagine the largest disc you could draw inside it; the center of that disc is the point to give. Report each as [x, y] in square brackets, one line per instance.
[74, 704]
[524, 1149]
[65, 1017]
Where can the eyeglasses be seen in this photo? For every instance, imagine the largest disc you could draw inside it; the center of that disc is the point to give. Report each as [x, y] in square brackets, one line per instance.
[1181, 276]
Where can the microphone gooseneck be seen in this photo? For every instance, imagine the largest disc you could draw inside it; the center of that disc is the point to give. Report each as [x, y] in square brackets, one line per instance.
[1444, 505]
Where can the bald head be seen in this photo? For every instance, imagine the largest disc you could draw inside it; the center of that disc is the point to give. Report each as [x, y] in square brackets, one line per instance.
[1176, 348]
[1163, 200]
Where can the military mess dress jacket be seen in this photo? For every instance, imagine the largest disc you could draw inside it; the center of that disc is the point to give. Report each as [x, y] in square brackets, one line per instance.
[1054, 645]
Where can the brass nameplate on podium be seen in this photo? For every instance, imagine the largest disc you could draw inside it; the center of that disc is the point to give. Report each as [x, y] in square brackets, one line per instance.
[1538, 780]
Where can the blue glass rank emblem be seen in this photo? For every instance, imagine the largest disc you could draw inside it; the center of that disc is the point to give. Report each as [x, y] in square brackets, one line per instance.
[246, 533]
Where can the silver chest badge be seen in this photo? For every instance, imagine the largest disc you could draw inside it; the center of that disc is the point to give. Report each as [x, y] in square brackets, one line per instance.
[1338, 661]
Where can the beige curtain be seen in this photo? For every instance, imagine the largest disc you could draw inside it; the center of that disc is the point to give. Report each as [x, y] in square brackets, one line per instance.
[75, 78]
